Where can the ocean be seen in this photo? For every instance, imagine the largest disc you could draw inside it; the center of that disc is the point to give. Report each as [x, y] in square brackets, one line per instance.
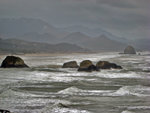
[45, 88]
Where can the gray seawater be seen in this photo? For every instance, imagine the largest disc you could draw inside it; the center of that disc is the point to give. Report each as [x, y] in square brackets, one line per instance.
[42, 89]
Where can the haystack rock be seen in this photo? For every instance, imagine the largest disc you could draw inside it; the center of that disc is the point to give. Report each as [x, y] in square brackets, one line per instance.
[71, 64]
[13, 62]
[129, 50]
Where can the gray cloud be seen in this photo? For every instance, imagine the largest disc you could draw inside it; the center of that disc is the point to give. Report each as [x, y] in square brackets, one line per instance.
[119, 17]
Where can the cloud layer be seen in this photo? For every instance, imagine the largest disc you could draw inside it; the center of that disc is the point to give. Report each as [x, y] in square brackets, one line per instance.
[125, 18]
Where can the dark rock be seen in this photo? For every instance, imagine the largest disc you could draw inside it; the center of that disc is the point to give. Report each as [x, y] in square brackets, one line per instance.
[89, 69]
[107, 65]
[13, 62]
[87, 66]
[93, 68]
[4, 111]
[129, 50]
[71, 64]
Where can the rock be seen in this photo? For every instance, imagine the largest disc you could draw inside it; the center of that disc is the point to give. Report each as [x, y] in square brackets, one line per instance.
[87, 66]
[107, 65]
[93, 68]
[129, 50]
[71, 64]
[4, 111]
[13, 62]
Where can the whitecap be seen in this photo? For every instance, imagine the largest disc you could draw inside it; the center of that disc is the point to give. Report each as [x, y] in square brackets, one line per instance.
[67, 110]
[138, 107]
[136, 90]
[112, 74]
[127, 112]
[76, 91]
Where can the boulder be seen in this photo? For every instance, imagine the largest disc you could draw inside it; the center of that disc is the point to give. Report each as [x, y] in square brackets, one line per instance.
[88, 66]
[85, 64]
[4, 111]
[13, 62]
[71, 64]
[129, 50]
[107, 65]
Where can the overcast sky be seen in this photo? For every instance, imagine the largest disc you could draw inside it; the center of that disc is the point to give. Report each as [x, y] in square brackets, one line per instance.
[125, 18]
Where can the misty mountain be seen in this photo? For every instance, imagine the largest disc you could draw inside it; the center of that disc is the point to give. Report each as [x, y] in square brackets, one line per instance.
[95, 32]
[36, 30]
[37, 37]
[76, 38]
[103, 43]
[16, 46]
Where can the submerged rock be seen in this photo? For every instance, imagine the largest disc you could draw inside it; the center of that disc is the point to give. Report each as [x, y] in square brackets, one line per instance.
[129, 50]
[13, 62]
[88, 66]
[107, 65]
[71, 64]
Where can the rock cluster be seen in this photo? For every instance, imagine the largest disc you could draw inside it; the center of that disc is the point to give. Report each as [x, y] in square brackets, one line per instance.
[88, 66]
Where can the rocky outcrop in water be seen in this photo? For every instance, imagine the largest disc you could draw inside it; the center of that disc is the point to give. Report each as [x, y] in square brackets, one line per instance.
[71, 64]
[129, 50]
[88, 66]
[107, 65]
[13, 62]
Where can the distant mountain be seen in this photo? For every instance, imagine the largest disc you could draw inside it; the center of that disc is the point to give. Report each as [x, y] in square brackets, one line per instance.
[95, 32]
[103, 43]
[36, 30]
[17, 46]
[37, 37]
[76, 38]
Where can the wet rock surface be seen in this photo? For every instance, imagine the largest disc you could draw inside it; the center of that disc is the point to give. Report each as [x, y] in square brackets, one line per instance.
[71, 64]
[13, 62]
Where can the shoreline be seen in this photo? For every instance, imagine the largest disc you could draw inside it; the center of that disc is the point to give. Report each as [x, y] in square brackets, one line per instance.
[45, 54]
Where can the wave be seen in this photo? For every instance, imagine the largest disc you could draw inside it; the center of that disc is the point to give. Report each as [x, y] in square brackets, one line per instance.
[112, 74]
[15, 94]
[127, 112]
[61, 106]
[137, 90]
[76, 91]
[67, 110]
[48, 70]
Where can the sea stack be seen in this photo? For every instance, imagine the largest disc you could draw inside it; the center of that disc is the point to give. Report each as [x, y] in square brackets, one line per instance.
[13, 62]
[129, 50]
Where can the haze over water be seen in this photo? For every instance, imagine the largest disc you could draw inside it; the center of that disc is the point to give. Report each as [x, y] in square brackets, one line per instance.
[42, 89]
